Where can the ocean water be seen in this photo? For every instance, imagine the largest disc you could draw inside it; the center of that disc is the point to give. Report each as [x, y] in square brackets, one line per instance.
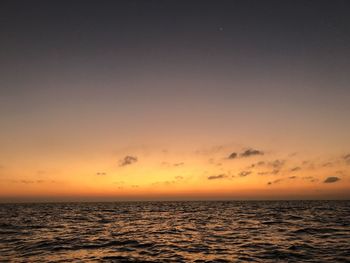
[217, 231]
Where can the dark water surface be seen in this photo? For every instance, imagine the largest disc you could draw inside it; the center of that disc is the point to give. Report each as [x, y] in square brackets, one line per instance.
[276, 231]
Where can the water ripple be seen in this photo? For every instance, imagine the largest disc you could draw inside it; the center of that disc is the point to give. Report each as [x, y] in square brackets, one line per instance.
[293, 231]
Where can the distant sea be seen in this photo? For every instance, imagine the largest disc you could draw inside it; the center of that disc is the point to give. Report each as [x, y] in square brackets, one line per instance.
[213, 231]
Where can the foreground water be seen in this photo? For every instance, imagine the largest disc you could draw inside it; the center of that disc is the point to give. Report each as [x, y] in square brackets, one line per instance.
[285, 231]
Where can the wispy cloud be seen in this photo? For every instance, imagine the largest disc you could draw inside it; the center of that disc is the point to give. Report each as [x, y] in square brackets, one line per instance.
[331, 179]
[101, 173]
[244, 173]
[327, 164]
[258, 164]
[24, 181]
[251, 152]
[310, 178]
[282, 179]
[214, 177]
[275, 181]
[277, 164]
[127, 160]
[295, 169]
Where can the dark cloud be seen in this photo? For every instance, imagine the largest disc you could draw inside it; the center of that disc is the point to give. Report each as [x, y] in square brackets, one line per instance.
[244, 173]
[280, 180]
[214, 177]
[261, 163]
[127, 160]
[251, 152]
[295, 169]
[273, 172]
[276, 164]
[233, 155]
[178, 164]
[101, 173]
[331, 179]
[275, 181]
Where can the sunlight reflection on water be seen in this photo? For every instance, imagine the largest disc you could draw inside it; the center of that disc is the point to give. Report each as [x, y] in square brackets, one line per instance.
[293, 231]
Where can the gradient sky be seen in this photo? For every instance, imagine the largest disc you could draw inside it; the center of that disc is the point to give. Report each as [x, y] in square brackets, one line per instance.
[119, 100]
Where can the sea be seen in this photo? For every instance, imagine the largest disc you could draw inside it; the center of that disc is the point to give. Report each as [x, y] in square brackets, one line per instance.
[181, 231]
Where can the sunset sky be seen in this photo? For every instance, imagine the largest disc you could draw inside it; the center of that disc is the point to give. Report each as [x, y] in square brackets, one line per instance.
[148, 100]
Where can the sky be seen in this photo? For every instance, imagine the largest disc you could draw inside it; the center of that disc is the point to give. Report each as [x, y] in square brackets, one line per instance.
[174, 100]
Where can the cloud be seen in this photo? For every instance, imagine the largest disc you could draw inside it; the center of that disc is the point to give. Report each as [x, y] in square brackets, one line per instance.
[295, 169]
[127, 160]
[277, 164]
[327, 164]
[280, 180]
[309, 178]
[275, 181]
[263, 173]
[214, 177]
[101, 173]
[331, 179]
[261, 163]
[27, 182]
[244, 173]
[251, 152]
[273, 172]
[31, 181]
[178, 164]
[233, 155]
